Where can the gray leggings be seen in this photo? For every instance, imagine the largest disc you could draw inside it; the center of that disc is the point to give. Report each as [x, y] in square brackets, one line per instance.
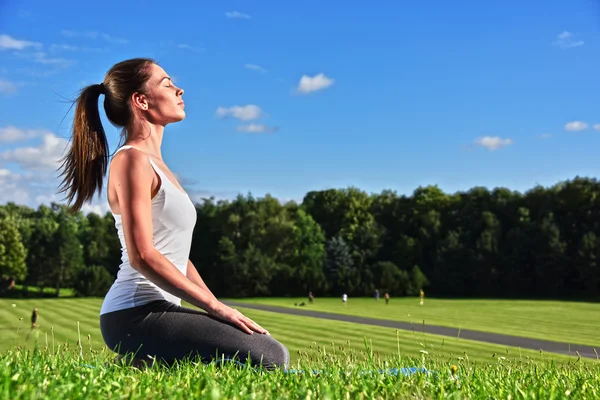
[170, 332]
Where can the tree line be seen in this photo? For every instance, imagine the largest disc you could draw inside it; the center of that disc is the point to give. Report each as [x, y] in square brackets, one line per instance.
[543, 243]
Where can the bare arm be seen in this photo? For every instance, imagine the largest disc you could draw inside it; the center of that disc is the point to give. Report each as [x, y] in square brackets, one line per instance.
[133, 183]
[133, 177]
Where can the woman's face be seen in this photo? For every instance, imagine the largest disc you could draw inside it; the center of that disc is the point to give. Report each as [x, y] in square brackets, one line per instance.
[164, 102]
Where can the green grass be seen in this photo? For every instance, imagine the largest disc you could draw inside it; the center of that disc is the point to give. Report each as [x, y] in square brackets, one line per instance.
[59, 318]
[64, 375]
[570, 322]
[342, 351]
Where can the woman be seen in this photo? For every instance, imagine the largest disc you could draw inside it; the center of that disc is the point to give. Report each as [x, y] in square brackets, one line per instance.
[155, 220]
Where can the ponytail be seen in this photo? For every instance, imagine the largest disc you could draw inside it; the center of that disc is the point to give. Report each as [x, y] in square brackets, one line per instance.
[85, 164]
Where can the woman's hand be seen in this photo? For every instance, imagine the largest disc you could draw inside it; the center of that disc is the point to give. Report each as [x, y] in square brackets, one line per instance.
[228, 314]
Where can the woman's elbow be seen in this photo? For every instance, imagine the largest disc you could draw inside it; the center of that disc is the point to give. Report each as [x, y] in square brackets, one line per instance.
[141, 260]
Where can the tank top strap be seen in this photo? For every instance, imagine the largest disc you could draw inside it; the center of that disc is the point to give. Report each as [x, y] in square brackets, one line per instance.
[152, 163]
[126, 146]
[164, 178]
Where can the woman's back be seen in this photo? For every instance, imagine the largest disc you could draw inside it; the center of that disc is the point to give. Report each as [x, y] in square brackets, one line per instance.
[173, 221]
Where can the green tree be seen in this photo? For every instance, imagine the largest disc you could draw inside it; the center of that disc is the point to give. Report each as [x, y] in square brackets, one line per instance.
[12, 251]
[587, 268]
[42, 249]
[301, 263]
[339, 265]
[93, 280]
[68, 258]
[389, 278]
[418, 281]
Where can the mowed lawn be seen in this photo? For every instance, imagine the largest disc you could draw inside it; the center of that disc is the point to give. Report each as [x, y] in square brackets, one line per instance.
[569, 322]
[59, 318]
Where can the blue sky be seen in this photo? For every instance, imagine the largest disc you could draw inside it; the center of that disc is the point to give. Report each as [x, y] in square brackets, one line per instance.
[391, 96]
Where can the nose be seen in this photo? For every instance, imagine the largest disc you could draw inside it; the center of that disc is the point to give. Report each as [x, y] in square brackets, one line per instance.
[180, 91]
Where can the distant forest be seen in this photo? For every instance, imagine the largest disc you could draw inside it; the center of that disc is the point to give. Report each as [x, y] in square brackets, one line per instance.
[543, 243]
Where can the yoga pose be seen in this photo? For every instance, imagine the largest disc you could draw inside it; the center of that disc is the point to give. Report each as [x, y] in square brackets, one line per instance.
[155, 219]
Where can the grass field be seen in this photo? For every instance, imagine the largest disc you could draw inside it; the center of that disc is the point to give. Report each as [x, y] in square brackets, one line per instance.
[570, 322]
[65, 375]
[349, 358]
[58, 318]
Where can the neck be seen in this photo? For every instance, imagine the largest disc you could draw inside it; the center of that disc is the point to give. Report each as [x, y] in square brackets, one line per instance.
[146, 136]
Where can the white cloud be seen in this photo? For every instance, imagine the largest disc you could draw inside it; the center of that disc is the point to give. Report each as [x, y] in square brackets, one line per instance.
[9, 43]
[20, 188]
[545, 136]
[88, 34]
[99, 207]
[12, 189]
[185, 46]
[7, 87]
[575, 126]
[244, 113]
[565, 40]
[64, 47]
[93, 35]
[56, 48]
[255, 67]
[309, 84]
[257, 128]
[237, 14]
[113, 39]
[30, 50]
[597, 127]
[42, 58]
[14, 134]
[37, 180]
[493, 142]
[45, 157]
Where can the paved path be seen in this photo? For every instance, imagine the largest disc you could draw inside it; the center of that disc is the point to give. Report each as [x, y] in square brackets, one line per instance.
[496, 338]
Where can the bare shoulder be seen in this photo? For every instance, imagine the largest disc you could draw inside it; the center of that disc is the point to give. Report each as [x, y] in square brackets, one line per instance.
[131, 179]
[131, 164]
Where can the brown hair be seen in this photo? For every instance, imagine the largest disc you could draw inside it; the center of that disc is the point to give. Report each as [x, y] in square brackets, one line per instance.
[85, 164]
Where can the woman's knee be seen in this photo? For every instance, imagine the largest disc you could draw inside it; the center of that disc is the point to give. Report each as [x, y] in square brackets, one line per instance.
[277, 356]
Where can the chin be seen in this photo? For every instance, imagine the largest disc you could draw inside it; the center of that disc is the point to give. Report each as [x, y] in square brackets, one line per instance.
[179, 117]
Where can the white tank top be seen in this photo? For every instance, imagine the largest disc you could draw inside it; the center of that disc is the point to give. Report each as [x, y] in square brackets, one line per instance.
[173, 221]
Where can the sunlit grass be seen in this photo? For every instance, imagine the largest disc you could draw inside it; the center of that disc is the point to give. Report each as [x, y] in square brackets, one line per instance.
[60, 319]
[65, 358]
[570, 322]
[73, 372]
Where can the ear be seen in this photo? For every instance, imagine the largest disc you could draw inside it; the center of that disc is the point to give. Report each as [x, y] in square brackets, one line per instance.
[139, 101]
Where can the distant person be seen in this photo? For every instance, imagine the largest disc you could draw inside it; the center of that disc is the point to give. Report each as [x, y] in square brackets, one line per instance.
[311, 298]
[387, 298]
[155, 220]
[376, 295]
[344, 298]
[422, 295]
[34, 316]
